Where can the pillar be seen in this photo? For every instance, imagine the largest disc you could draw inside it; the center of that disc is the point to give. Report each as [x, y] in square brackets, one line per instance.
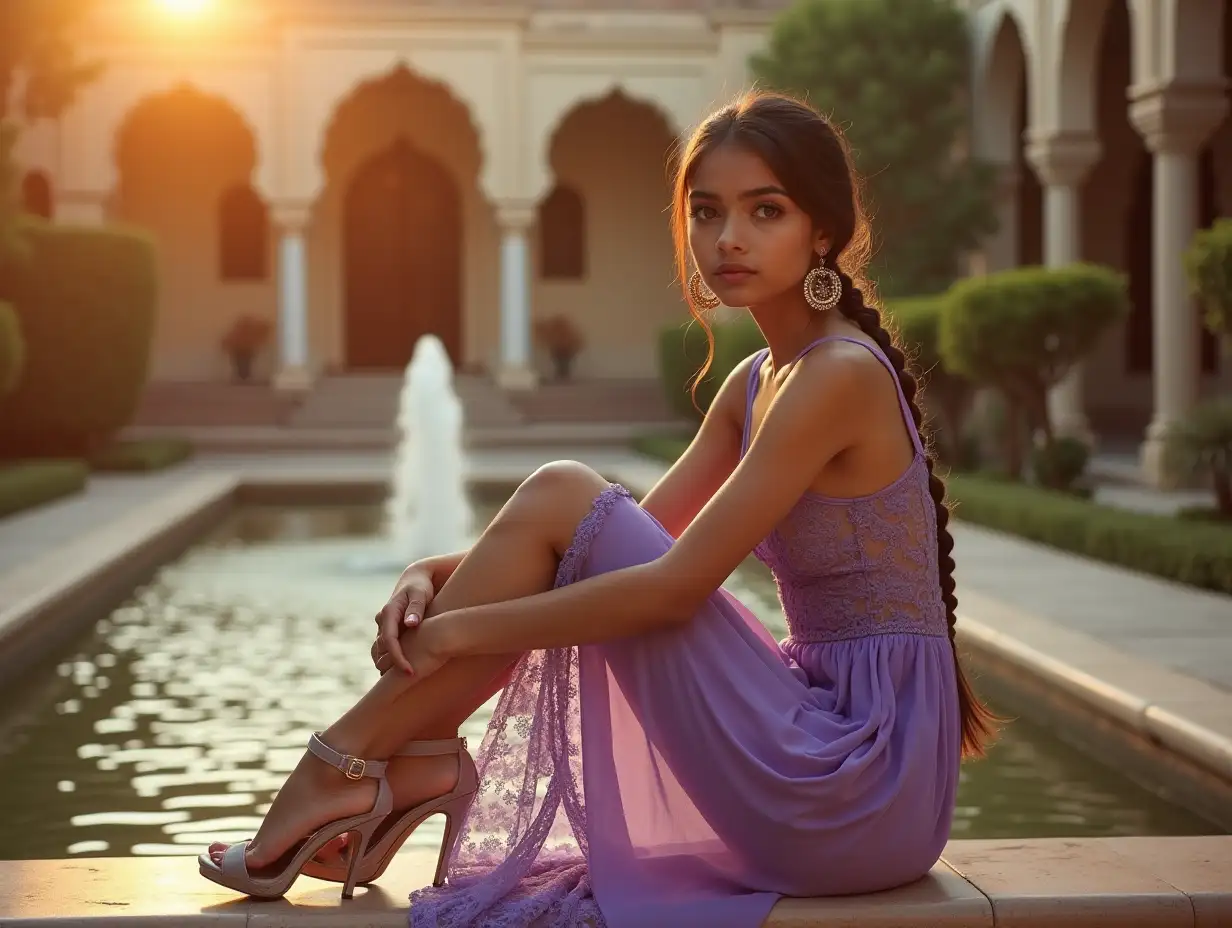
[290, 221]
[1175, 122]
[999, 251]
[515, 369]
[1062, 161]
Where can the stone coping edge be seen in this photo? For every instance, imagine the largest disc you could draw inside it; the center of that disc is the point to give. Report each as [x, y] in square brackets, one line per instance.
[99, 568]
[1146, 882]
[1208, 749]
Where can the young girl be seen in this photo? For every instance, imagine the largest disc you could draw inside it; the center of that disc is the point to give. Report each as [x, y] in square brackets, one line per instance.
[656, 758]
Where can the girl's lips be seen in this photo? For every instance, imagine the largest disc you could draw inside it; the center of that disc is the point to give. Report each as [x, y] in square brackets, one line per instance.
[734, 277]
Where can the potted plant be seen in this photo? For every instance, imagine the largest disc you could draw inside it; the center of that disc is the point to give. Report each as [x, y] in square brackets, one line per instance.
[562, 340]
[245, 339]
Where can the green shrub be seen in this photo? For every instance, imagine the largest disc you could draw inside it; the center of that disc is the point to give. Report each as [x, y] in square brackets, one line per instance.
[143, 455]
[946, 394]
[12, 350]
[1184, 551]
[682, 351]
[31, 483]
[1059, 464]
[1208, 261]
[1021, 331]
[86, 302]
[1200, 445]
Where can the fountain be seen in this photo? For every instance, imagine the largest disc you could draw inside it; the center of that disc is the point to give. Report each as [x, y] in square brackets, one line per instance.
[428, 511]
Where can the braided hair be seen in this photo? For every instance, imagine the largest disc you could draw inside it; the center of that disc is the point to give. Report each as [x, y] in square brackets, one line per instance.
[811, 160]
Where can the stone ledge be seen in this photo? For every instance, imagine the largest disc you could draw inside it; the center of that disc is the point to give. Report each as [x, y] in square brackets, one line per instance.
[1139, 882]
[1186, 715]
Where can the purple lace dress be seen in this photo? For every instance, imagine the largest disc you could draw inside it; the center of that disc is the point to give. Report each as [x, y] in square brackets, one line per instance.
[693, 776]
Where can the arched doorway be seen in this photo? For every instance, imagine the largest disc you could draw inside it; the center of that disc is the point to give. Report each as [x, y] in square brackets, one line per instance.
[612, 154]
[177, 153]
[402, 254]
[1002, 109]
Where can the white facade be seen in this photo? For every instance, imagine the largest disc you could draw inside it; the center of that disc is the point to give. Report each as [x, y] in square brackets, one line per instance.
[483, 110]
[1109, 121]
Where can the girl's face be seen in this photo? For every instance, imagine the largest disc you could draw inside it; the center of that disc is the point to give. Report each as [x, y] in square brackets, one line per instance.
[750, 242]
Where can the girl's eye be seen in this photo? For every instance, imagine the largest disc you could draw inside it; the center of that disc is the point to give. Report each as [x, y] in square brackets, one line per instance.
[702, 212]
[767, 211]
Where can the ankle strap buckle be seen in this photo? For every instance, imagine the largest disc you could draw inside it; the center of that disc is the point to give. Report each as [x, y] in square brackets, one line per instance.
[353, 768]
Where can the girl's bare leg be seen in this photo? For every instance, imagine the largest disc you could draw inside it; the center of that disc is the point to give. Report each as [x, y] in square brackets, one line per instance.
[516, 556]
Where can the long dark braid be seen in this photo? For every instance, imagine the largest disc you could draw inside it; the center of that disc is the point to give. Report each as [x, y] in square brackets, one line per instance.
[978, 722]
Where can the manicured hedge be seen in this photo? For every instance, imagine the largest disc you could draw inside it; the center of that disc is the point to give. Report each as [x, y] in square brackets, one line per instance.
[1175, 549]
[143, 455]
[85, 298]
[31, 483]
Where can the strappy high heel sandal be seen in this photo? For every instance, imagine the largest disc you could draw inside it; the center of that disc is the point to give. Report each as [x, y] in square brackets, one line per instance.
[276, 879]
[389, 838]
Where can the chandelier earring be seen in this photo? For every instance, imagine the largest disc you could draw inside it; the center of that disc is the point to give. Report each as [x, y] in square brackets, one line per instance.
[823, 288]
[701, 295]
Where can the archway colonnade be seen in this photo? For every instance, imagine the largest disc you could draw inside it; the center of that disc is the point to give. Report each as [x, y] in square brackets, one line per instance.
[359, 187]
[1110, 124]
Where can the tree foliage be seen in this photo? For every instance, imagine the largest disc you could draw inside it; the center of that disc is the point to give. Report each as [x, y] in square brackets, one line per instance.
[37, 57]
[893, 75]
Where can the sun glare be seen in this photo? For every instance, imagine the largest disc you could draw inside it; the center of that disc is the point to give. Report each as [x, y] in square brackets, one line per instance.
[184, 7]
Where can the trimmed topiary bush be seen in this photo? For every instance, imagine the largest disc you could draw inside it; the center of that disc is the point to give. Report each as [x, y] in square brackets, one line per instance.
[1021, 331]
[12, 350]
[946, 394]
[1200, 445]
[85, 298]
[1209, 264]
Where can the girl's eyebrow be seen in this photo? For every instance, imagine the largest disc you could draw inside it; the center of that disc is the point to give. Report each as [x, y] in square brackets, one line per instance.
[748, 194]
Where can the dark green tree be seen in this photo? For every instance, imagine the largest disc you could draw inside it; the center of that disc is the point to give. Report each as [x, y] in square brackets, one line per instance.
[36, 44]
[893, 75]
[40, 73]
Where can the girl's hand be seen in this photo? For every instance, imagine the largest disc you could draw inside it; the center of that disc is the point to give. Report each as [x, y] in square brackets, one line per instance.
[422, 648]
[405, 609]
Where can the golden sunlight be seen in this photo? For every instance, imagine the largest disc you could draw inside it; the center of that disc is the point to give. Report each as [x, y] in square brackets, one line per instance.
[184, 7]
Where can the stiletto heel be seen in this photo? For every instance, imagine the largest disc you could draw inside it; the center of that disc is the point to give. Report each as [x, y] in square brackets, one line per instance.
[391, 834]
[455, 811]
[277, 878]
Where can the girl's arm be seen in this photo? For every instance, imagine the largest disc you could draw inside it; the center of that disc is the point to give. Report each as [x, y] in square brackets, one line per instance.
[819, 412]
[709, 460]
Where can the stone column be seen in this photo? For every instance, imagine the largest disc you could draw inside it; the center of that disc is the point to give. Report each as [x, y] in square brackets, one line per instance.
[515, 370]
[1175, 121]
[1000, 250]
[291, 222]
[1061, 161]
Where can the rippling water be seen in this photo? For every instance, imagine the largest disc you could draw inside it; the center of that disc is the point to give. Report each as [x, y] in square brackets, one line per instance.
[176, 718]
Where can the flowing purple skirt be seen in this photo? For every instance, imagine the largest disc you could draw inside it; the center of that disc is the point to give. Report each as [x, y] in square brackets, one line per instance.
[695, 775]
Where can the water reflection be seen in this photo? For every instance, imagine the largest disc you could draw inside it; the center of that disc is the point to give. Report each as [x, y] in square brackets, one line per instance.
[176, 719]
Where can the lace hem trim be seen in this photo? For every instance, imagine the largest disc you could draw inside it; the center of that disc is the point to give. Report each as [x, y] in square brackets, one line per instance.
[587, 530]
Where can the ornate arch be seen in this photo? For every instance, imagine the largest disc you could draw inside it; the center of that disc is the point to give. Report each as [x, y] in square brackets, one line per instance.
[128, 100]
[1003, 68]
[347, 77]
[552, 109]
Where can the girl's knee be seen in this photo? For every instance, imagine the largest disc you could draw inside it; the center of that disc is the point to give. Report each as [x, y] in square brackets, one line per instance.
[567, 482]
[555, 497]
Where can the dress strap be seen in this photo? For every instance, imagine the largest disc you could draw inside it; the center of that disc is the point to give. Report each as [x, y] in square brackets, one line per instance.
[903, 405]
[750, 391]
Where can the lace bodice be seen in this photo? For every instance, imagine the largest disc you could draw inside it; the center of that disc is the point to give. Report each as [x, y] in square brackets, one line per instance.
[846, 568]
